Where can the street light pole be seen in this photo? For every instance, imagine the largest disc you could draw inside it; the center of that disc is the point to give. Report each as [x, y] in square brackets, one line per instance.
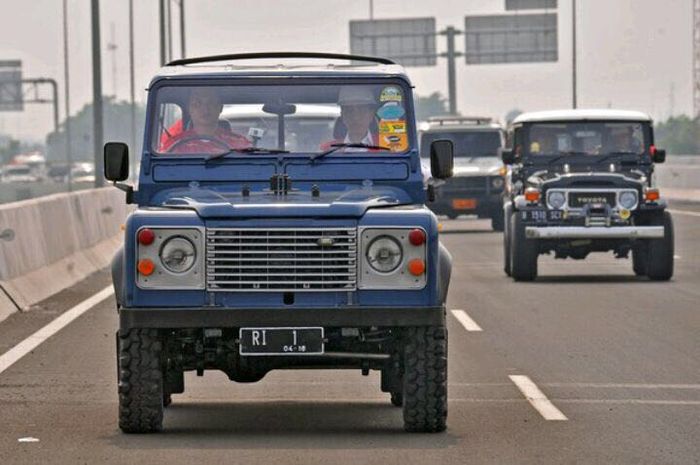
[161, 18]
[132, 87]
[66, 83]
[451, 56]
[98, 135]
[573, 55]
[182, 28]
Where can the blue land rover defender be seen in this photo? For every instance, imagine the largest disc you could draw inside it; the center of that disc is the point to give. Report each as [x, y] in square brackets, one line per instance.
[263, 240]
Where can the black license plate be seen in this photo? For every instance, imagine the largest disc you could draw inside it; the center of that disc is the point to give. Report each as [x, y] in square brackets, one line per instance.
[542, 216]
[281, 341]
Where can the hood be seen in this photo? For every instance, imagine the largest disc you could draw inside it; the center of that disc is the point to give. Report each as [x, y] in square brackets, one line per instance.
[350, 202]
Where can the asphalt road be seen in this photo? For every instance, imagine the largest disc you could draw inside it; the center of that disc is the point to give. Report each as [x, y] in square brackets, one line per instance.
[618, 356]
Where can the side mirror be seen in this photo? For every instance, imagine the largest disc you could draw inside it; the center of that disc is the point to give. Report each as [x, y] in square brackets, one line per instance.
[441, 159]
[507, 155]
[658, 155]
[116, 161]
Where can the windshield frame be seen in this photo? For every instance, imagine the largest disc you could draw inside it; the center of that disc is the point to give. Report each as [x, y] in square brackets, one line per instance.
[439, 134]
[528, 157]
[272, 81]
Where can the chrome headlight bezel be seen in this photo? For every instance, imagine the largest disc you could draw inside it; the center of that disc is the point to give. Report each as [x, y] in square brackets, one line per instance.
[632, 199]
[193, 277]
[556, 200]
[177, 248]
[399, 277]
[384, 247]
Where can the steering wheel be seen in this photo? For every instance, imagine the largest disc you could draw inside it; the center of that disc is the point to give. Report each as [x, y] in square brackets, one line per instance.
[203, 137]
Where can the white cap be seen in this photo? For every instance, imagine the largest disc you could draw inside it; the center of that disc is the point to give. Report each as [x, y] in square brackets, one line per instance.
[356, 95]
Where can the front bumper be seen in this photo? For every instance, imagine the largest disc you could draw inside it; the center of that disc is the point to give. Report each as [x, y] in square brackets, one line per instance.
[594, 232]
[216, 317]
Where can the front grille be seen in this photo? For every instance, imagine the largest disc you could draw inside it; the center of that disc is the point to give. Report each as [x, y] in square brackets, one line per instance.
[580, 199]
[305, 259]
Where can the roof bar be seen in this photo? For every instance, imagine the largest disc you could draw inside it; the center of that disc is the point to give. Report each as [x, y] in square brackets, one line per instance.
[264, 55]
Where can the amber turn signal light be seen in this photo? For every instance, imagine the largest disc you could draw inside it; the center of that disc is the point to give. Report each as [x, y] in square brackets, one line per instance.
[146, 267]
[532, 195]
[416, 267]
[652, 195]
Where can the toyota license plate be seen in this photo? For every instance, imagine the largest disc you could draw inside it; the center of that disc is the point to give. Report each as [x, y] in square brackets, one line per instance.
[281, 341]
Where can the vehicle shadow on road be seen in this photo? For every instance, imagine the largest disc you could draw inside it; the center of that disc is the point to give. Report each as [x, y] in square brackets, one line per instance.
[284, 425]
[586, 279]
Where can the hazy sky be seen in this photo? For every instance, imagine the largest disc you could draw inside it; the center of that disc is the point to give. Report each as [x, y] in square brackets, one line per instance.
[634, 54]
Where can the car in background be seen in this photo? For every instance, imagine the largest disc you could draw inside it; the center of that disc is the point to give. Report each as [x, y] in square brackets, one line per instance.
[476, 187]
[582, 182]
[19, 174]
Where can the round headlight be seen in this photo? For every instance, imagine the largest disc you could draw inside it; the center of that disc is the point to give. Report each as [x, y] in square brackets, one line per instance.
[556, 199]
[384, 254]
[497, 182]
[177, 255]
[628, 199]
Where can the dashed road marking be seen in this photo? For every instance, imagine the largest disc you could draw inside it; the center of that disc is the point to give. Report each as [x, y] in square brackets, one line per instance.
[684, 212]
[537, 398]
[10, 357]
[466, 321]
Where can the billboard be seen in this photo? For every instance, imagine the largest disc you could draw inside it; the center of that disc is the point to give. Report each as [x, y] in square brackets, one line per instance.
[410, 42]
[530, 4]
[515, 38]
[11, 98]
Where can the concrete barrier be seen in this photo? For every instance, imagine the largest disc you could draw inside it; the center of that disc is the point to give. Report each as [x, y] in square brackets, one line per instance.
[58, 240]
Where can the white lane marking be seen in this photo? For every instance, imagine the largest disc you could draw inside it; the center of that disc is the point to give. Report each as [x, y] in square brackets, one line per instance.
[630, 401]
[28, 439]
[684, 212]
[676, 257]
[624, 385]
[537, 398]
[32, 342]
[467, 322]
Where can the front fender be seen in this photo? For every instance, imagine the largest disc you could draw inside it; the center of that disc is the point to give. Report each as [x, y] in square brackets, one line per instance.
[444, 272]
[118, 276]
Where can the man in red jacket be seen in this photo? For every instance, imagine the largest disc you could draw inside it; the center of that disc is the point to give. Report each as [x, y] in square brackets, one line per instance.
[206, 134]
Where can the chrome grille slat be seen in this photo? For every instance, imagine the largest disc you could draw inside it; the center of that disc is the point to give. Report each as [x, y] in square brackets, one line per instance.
[281, 259]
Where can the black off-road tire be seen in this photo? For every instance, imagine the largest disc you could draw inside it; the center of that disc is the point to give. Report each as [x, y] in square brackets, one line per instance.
[141, 392]
[397, 399]
[498, 221]
[660, 257]
[523, 251]
[639, 260]
[425, 379]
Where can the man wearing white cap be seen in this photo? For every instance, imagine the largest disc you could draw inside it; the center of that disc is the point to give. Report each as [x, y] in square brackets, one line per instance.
[357, 112]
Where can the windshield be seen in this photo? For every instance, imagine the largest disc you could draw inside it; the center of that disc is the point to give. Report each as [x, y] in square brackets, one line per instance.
[467, 144]
[295, 118]
[586, 138]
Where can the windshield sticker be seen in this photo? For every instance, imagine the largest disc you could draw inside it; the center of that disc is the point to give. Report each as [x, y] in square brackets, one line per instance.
[391, 111]
[392, 127]
[391, 94]
[396, 142]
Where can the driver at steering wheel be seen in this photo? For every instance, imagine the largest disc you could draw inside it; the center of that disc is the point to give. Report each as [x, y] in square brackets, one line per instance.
[205, 134]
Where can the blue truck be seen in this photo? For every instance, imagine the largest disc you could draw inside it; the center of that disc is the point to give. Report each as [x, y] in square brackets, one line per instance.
[261, 240]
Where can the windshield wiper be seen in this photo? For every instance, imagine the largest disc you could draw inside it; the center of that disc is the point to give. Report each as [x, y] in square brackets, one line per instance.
[248, 150]
[335, 147]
